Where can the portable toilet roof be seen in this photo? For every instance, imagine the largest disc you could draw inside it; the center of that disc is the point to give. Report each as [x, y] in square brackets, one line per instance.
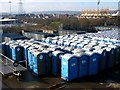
[77, 51]
[68, 56]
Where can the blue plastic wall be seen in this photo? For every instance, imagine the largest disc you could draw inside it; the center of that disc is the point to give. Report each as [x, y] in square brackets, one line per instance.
[69, 68]
[83, 66]
[93, 64]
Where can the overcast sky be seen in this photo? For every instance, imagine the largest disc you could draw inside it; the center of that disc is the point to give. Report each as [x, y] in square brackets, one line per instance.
[50, 5]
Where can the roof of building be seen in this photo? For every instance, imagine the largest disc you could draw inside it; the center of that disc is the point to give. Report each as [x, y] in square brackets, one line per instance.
[7, 19]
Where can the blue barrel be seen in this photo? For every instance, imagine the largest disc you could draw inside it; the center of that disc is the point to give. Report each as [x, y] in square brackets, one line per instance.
[102, 59]
[39, 66]
[69, 67]
[83, 60]
[93, 62]
[56, 62]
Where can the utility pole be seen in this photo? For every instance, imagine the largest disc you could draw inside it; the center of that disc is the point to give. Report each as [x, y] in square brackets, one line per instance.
[98, 7]
[20, 10]
[10, 7]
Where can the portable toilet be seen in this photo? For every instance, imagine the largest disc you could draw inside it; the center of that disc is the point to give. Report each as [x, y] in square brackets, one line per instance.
[115, 53]
[60, 42]
[30, 56]
[56, 62]
[39, 63]
[110, 56]
[88, 48]
[3, 48]
[93, 62]
[11, 47]
[54, 42]
[106, 40]
[17, 53]
[25, 51]
[78, 50]
[69, 67]
[73, 45]
[81, 45]
[83, 60]
[114, 41]
[102, 58]
[48, 60]
[67, 44]
[67, 50]
[7, 48]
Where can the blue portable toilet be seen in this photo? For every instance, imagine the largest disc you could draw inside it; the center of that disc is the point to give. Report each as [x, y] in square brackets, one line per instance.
[7, 48]
[17, 53]
[60, 42]
[56, 62]
[117, 54]
[78, 50]
[39, 66]
[3, 48]
[67, 50]
[25, 51]
[106, 39]
[69, 67]
[88, 48]
[48, 60]
[83, 60]
[11, 47]
[110, 56]
[30, 56]
[54, 42]
[93, 62]
[115, 48]
[81, 45]
[67, 44]
[102, 59]
[73, 45]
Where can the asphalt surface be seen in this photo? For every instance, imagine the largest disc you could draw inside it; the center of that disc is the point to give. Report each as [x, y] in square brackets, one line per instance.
[109, 79]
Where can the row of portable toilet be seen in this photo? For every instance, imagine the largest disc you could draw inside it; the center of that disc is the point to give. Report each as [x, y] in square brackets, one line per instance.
[79, 42]
[68, 62]
[12, 50]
